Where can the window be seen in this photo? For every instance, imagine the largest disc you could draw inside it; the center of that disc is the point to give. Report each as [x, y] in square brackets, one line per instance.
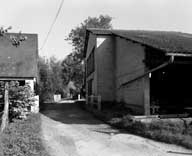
[21, 83]
[91, 62]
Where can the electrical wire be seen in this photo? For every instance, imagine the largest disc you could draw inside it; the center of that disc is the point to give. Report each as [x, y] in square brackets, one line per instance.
[51, 27]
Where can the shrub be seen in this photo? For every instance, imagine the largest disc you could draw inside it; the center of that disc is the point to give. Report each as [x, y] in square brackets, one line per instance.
[165, 131]
[173, 127]
[21, 98]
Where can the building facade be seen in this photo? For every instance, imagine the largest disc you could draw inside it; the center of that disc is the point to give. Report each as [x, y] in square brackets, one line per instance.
[128, 66]
[19, 61]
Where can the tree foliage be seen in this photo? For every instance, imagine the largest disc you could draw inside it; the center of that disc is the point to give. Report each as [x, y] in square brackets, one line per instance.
[72, 66]
[71, 70]
[21, 98]
[77, 35]
[51, 81]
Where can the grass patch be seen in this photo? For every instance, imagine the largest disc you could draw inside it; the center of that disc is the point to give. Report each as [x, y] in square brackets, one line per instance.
[172, 132]
[167, 131]
[164, 131]
[23, 138]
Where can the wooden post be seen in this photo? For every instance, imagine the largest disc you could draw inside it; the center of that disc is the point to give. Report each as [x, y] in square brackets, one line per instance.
[99, 103]
[5, 116]
[146, 95]
[91, 100]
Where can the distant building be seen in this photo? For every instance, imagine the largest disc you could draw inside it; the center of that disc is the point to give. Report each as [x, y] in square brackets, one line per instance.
[19, 62]
[147, 71]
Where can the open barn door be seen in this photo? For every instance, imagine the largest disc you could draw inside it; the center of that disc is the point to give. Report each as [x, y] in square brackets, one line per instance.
[171, 87]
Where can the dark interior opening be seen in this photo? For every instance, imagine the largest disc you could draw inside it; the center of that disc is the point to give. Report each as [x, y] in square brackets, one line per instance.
[21, 83]
[171, 87]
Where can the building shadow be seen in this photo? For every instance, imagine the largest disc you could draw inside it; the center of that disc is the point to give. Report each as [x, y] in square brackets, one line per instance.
[69, 113]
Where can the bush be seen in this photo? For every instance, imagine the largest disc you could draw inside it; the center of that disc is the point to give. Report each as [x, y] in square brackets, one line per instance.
[170, 132]
[173, 127]
[23, 138]
[21, 98]
[164, 131]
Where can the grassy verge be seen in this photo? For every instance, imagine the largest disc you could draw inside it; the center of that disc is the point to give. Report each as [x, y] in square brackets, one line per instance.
[172, 132]
[23, 138]
[165, 131]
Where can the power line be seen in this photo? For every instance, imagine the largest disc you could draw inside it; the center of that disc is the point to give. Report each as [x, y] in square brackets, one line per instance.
[53, 23]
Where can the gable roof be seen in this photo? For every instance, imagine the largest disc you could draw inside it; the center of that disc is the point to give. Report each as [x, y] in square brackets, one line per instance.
[168, 41]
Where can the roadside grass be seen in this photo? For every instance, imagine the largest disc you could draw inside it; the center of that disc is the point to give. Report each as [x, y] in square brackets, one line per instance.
[164, 131]
[173, 132]
[23, 138]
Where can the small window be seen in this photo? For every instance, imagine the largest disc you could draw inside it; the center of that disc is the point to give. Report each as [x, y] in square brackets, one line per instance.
[22, 83]
[90, 86]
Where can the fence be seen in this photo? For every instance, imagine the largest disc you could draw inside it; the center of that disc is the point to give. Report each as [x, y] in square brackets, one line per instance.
[94, 101]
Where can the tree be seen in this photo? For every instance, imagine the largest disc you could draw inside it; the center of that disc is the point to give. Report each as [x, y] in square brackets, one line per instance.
[77, 35]
[72, 72]
[73, 68]
[56, 75]
[45, 87]
[51, 82]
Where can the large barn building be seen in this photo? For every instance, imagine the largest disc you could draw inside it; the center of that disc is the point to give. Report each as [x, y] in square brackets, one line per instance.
[147, 71]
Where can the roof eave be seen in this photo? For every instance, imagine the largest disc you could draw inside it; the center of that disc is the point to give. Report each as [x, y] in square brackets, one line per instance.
[182, 54]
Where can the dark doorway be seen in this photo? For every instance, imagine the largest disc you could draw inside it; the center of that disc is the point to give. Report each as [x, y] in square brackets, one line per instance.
[171, 87]
[90, 87]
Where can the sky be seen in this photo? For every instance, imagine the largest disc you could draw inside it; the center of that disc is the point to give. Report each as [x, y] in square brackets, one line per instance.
[36, 16]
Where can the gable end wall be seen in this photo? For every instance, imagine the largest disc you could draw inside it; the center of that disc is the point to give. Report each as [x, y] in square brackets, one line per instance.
[105, 65]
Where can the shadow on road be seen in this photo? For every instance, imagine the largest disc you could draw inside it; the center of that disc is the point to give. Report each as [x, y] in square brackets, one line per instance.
[69, 113]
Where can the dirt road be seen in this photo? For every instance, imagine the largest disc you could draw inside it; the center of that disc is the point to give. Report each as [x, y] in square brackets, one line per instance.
[68, 130]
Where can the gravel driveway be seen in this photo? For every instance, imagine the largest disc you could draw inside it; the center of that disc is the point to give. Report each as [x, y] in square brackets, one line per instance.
[68, 130]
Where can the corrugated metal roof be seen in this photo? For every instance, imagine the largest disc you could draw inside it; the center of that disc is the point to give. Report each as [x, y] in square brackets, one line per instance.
[20, 61]
[169, 41]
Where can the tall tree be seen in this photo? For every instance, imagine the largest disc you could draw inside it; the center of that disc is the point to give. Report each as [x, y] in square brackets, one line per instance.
[72, 65]
[77, 35]
[51, 82]
[72, 70]
[56, 75]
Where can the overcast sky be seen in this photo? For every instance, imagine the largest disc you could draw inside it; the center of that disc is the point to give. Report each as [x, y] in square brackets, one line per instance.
[36, 16]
